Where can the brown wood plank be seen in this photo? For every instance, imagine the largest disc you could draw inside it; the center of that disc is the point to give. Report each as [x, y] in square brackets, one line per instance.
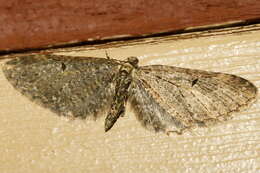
[36, 23]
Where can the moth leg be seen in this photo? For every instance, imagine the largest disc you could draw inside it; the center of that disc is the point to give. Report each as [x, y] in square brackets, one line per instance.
[107, 56]
[179, 131]
[170, 131]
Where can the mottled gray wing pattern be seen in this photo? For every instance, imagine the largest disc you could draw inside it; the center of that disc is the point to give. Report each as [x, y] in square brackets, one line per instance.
[174, 99]
[69, 86]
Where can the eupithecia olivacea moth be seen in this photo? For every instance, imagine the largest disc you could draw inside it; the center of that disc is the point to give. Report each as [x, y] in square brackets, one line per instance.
[164, 98]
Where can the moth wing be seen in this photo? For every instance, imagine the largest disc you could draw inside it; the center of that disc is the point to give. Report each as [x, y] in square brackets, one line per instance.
[69, 86]
[169, 98]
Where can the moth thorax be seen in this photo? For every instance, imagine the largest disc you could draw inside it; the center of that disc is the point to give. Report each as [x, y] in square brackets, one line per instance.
[126, 69]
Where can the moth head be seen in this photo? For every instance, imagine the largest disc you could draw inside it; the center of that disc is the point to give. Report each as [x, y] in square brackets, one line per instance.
[133, 61]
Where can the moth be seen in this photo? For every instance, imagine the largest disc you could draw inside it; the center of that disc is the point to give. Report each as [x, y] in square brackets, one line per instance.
[164, 98]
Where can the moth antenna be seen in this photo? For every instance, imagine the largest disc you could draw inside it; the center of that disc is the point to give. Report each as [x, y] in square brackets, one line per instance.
[107, 56]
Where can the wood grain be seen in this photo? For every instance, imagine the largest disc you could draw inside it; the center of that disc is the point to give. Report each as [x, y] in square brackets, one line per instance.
[33, 139]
